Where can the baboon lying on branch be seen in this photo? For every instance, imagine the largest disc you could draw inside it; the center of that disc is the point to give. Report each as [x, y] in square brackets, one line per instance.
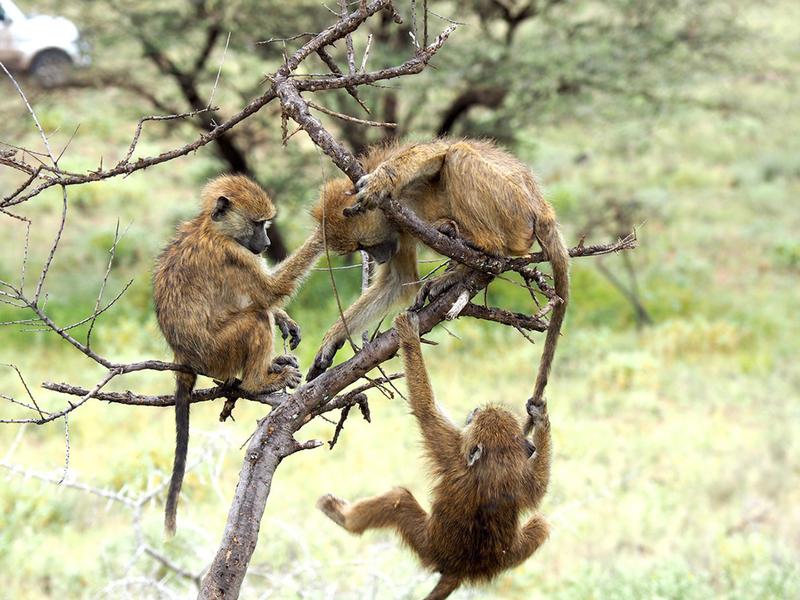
[487, 475]
[468, 187]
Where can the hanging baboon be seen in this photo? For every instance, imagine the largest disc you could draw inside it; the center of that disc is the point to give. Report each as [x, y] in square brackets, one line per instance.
[486, 476]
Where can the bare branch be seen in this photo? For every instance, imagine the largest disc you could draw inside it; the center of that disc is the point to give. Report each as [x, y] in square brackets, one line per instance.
[344, 117]
[331, 64]
[504, 317]
[143, 120]
[27, 389]
[96, 312]
[201, 395]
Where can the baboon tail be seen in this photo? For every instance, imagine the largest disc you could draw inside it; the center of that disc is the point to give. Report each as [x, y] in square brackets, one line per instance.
[183, 392]
[550, 239]
[446, 586]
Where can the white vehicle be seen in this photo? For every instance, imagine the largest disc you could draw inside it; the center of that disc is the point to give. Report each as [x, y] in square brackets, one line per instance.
[46, 47]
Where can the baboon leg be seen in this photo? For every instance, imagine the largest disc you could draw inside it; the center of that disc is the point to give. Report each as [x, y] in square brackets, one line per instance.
[446, 586]
[487, 201]
[533, 534]
[244, 343]
[419, 162]
[397, 509]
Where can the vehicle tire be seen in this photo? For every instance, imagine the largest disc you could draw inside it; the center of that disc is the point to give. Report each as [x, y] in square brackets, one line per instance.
[51, 68]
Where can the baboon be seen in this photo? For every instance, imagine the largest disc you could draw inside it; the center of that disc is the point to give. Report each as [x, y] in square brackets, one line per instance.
[471, 187]
[217, 302]
[486, 475]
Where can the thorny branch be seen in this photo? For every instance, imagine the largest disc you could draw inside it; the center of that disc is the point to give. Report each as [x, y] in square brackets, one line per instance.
[273, 440]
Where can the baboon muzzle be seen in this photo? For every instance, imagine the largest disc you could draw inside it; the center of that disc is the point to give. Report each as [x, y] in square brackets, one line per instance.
[382, 252]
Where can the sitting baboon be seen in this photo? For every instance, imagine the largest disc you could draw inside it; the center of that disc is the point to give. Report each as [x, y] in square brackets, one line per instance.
[486, 475]
[217, 303]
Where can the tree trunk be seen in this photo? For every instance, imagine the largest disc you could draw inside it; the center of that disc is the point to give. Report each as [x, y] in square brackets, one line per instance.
[491, 97]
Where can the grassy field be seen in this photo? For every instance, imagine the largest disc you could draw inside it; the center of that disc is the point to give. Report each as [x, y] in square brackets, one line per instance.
[677, 446]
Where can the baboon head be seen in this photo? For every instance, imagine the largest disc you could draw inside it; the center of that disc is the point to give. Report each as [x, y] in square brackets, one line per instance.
[492, 434]
[369, 231]
[240, 209]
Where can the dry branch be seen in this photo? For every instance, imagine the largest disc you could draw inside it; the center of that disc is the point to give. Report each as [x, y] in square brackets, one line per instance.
[201, 395]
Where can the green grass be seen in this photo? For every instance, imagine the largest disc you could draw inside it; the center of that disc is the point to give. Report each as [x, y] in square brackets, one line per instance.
[677, 446]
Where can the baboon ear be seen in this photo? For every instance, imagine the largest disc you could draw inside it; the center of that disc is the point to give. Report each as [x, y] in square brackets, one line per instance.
[219, 210]
[474, 455]
[530, 449]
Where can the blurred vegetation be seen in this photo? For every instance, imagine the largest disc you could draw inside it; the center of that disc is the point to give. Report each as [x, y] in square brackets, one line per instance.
[677, 442]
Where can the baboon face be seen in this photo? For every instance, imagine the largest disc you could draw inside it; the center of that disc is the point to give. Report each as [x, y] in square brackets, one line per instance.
[368, 231]
[241, 210]
[250, 233]
[493, 430]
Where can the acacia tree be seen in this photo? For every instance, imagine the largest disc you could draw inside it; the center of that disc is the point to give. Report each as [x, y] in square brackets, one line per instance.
[275, 436]
[523, 61]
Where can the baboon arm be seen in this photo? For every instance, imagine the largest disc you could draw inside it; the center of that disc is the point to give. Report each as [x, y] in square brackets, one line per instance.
[442, 438]
[395, 280]
[277, 286]
[281, 314]
[422, 161]
[538, 472]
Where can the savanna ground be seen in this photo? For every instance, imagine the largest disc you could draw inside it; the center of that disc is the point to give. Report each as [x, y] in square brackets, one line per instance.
[677, 446]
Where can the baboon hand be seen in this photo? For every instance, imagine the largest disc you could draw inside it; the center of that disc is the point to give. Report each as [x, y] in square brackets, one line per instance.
[448, 227]
[374, 187]
[332, 507]
[289, 329]
[433, 288]
[537, 411]
[407, 326]
[324, 359]
[288, 368]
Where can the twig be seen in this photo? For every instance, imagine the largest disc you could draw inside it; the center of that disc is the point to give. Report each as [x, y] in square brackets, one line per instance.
[66, 450]
[143, 120]
[201, 395]
[364, 58]
[504, 317]
[334, 68]
[111, 253]
[219, 71]
[348, 41]
[54, 160]
[344, 117]
[286, 39]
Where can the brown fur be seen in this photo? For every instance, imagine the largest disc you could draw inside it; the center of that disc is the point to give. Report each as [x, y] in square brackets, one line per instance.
[485, 479]
[491, 198]
[216, 302]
